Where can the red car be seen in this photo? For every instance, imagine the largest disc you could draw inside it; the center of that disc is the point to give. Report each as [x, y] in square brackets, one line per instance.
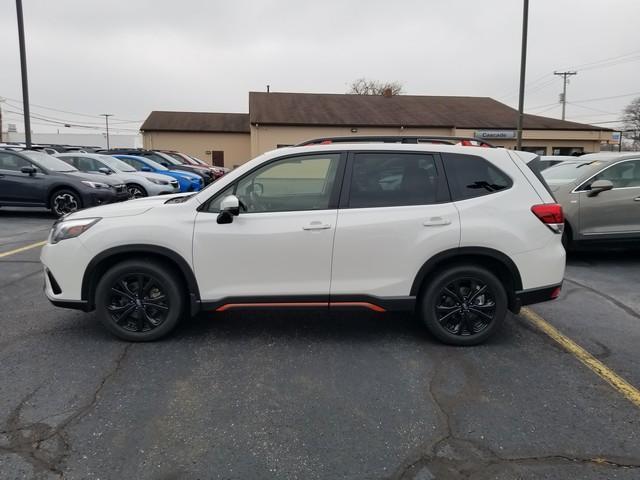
[196, 162]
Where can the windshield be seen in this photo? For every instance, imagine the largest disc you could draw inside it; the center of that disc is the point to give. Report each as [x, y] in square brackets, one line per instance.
[48, 162]
[159, 157]
[566, 172]
[197, 160]
[177, 157]
[116, 164]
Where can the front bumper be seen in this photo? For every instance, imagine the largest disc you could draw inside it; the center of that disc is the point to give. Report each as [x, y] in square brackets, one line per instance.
[64, 265]
[98, 197]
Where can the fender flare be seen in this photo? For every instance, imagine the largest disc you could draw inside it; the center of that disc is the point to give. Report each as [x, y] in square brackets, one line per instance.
[451, 254]
[89, 282]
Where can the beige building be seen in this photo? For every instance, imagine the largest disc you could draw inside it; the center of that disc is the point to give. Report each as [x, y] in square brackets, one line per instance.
[282, 119]
[218, 138]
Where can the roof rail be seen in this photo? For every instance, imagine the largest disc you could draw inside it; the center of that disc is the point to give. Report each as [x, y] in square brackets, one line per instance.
[411, 139]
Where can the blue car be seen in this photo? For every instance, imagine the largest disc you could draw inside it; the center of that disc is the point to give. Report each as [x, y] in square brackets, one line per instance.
[189, 182]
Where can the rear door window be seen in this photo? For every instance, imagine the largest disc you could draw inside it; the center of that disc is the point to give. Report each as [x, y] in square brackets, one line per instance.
[393, 179]
[471, 176]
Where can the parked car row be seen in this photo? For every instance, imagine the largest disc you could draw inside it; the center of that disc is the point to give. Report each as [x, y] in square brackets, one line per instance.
[66, 182]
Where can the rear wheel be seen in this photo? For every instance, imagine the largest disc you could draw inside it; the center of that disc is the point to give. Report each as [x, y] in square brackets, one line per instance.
[136, 191]
[464, 305]
[64, 201]
[139, 301]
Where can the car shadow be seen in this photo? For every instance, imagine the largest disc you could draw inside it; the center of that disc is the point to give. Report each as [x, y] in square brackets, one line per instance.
[14, 212]
[318, 326]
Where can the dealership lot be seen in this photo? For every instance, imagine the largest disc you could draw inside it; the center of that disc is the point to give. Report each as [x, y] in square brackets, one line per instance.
[307, 395]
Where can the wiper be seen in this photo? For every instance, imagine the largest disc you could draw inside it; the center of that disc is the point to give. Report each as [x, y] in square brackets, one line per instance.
[180, 199]
[585, 164]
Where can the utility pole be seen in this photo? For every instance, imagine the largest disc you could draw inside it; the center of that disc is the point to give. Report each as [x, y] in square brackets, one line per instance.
[106, 121]
[523, 66]
[23, 69]
[563, 98]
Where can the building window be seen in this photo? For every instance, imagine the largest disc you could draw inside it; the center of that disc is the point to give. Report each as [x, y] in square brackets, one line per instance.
[576, 151]
[536, 150]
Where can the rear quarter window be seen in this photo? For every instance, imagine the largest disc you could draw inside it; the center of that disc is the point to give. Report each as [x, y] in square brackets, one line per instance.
[470, 176]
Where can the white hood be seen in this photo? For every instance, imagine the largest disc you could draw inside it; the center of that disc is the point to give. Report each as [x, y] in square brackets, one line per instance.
[127, 208]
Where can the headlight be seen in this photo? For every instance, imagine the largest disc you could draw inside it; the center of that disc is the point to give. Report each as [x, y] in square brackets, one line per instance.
[95, 184]
[157, 181]
[70, 228]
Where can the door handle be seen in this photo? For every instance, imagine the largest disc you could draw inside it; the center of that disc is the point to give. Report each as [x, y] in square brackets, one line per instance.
[316, 226]
[436, 222]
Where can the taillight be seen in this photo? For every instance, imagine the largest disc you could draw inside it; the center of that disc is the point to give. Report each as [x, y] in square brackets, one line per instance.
[551, 215]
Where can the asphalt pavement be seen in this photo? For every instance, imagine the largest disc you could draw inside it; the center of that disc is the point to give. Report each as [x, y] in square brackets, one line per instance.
[251, 395]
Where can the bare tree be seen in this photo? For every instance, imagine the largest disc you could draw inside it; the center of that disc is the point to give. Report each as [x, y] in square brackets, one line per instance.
[631, 118]
[363, 86]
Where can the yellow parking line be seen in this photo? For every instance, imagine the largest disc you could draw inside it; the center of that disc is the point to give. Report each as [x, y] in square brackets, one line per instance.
[611, 377]
[22, 249]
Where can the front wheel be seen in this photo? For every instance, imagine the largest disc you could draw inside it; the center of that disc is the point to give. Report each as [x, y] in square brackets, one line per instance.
[464, 305]
[65, 201]
[136, 191]
[139, 301]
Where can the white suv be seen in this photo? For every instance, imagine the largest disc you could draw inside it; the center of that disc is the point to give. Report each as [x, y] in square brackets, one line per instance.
[457, 234]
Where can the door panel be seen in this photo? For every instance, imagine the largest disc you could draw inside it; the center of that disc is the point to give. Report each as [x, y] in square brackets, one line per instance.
[612, 213]
[378, 251]
[18, 187]
[393, 218]
[281, 242]
[259, 254]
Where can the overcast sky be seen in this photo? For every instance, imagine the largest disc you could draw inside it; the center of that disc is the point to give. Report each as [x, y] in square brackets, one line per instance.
[128, 57]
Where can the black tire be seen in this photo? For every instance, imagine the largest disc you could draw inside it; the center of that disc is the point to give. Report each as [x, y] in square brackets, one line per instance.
[463, 305]
[143, 317]
[136, 191]
[64, 201]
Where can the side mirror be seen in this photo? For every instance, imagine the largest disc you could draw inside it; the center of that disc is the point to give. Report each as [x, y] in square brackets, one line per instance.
[104, 170]
[146, 169]
[229, 208]
[599, 186]
[29, 170]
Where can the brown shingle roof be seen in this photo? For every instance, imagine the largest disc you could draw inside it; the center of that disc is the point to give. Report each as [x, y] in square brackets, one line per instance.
[401, 110]
[197, 122]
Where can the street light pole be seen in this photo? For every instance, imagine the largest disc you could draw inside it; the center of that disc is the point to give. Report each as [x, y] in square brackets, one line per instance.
[523, 66]
[106, 121]
[23, 69]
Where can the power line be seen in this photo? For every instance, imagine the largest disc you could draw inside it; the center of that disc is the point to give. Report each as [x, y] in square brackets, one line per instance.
[68, 111]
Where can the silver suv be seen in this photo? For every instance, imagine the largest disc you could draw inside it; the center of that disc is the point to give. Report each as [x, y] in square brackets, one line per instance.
[600, 196]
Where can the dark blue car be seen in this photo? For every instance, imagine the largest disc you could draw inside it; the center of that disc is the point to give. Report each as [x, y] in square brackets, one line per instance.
[189, 182]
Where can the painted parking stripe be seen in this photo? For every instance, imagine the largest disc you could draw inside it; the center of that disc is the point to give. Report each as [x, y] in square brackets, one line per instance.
[22, 249]
[599, 368]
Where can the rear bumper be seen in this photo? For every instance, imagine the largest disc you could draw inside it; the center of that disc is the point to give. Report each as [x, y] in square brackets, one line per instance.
[537, 295]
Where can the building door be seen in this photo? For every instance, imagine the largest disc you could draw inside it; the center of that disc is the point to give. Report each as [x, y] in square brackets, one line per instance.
[217, 158]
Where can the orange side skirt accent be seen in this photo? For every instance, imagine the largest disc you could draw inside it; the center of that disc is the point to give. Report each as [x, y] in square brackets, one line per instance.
[370, 306]
[230, 306]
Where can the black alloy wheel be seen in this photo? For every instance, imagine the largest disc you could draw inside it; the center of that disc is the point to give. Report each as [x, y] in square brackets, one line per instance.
[136, 191]
[65, 201]
[464, 305]
[140, 300]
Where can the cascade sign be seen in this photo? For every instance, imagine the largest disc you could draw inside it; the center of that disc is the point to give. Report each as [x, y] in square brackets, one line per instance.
[495, 134]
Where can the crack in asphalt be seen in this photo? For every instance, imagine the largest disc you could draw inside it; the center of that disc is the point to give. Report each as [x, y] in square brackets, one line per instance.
[452, 458]
[613, 300]
[31, 440]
